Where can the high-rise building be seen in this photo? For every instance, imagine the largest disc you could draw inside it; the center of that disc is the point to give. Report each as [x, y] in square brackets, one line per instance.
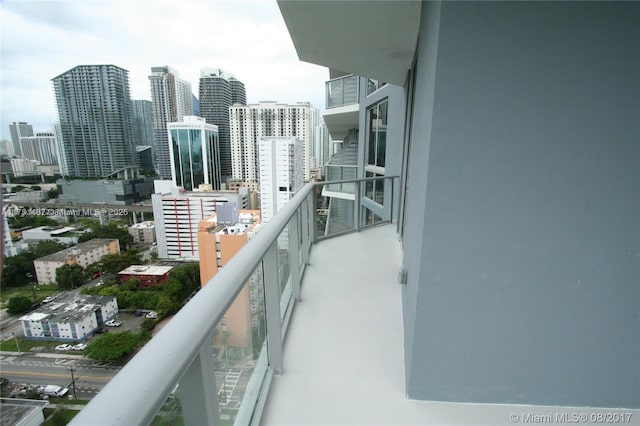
[96, 121]
[218, 91]
[42, 148]
[220, 238]
[19, 129]
[171, 100]
[6, 147]
[251, 122]
[142, 122]
[178, 212]
[281, 173]
[194, 153]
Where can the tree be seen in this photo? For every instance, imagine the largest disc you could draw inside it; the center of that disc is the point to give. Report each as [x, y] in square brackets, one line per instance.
[111, 230]
[52, 193]
[47, 247]
[113, 346]
[69, 276]
[19, 305]
[17, 270]
[114, 263]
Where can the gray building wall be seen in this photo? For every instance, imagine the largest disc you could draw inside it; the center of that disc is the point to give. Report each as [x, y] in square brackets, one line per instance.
[522, 239]
[123, 192]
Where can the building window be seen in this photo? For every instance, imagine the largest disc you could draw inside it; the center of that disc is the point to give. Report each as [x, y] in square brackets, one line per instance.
[376, 142]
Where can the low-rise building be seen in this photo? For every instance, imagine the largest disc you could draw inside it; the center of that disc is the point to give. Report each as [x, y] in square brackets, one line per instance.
[143, 232]
[61, 234]
[69, 321]
[123, 191]
[83, 254]
[147, 275]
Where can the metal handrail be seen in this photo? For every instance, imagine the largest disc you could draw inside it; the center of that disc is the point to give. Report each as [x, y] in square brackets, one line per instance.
[174, 349]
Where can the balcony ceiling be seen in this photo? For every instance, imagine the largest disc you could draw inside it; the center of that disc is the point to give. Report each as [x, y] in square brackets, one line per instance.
[376, 39]
[341, 119]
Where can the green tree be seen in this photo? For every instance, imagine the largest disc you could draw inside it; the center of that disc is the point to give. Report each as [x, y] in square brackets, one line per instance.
[131, 284]
[114, 346]
[167, 306]
[18, 269]
[19, 305]
[114, 263]
[111, 230]
[36, 187]
[69, 276]
[18, 188]
[52, 193]
[47, 247]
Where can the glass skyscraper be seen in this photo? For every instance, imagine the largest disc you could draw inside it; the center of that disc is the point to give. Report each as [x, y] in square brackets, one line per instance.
[194, 153]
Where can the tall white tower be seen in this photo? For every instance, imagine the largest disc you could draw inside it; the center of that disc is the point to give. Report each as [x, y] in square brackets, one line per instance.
[281, 172]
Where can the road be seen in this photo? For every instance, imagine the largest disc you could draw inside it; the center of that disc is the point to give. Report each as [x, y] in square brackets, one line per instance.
[90, 376]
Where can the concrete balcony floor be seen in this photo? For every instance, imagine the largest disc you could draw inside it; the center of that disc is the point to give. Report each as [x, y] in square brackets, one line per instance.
[343, 355]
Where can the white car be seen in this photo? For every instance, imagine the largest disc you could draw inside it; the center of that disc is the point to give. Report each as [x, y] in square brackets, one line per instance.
[79, 347]
[113, 323]
[152, 315]
[64, 347]
[48, 299]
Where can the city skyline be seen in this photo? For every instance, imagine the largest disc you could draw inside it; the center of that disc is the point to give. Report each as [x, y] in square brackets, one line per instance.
[64, 34]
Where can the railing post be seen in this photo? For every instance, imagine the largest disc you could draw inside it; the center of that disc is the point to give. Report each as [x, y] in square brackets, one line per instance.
[313, 215]
[294, 253]
[304, 219]
[197, 390]
[272, 307]
[356, 206]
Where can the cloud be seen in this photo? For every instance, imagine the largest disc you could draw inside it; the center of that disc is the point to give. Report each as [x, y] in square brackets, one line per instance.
[42, 39]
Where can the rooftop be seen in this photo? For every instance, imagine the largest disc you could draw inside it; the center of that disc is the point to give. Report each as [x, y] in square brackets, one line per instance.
[72, 252]
[146, 270]
[66, 311]
[141, 225]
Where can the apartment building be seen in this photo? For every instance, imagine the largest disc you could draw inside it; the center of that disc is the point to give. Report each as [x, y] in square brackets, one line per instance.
[73, 321]
[143, 232]
[220, 238]
[177, 214]
[83, 254]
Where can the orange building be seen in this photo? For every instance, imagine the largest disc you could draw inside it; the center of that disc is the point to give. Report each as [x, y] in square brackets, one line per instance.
[217, 244]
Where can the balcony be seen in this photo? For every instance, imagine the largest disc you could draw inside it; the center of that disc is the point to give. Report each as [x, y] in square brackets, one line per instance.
[318, 340]
[342, 104]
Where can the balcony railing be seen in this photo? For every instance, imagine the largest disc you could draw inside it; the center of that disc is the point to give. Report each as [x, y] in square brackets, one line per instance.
[212, 364]
[342, 91]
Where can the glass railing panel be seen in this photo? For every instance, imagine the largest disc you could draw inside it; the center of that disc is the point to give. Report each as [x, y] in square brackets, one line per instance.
[350, 90]
[334, 93]
[342, 91]
[335, 210]
[284, 270]
[171, 412]
[238, 341]
[376, 201]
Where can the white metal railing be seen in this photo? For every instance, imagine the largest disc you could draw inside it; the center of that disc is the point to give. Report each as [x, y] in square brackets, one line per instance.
[181, 356]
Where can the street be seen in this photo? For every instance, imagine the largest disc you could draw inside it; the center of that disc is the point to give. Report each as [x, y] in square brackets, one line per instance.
[52, 369]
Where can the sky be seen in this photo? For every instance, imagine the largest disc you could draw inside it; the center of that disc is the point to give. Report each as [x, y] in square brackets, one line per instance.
[43, 39]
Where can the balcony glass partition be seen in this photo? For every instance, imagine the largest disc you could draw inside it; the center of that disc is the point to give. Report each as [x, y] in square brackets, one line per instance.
[342, 91]
[213, 362]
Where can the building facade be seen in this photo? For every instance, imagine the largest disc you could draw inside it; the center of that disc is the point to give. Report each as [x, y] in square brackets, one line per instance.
[177, 215]
[194, 153]
[509, 254]
[143, 232]
[142, 122]
[61, 234]
[43, 148]
[83, 254]
[218, 91]
[109, 191]
[147, 275]
[251, 122]
[69, 321]
[219, 241]
[281, 172]
[96, 120]
[19, 129]
[171, 101]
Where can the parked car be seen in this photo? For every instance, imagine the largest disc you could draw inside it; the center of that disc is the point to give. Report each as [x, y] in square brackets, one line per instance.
[152, 314]
[48, 299]
[64, 347]
[79, 347]
[54, 390]
[113, 323]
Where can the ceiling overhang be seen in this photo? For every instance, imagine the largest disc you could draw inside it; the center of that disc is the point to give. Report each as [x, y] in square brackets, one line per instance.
[376, 39]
